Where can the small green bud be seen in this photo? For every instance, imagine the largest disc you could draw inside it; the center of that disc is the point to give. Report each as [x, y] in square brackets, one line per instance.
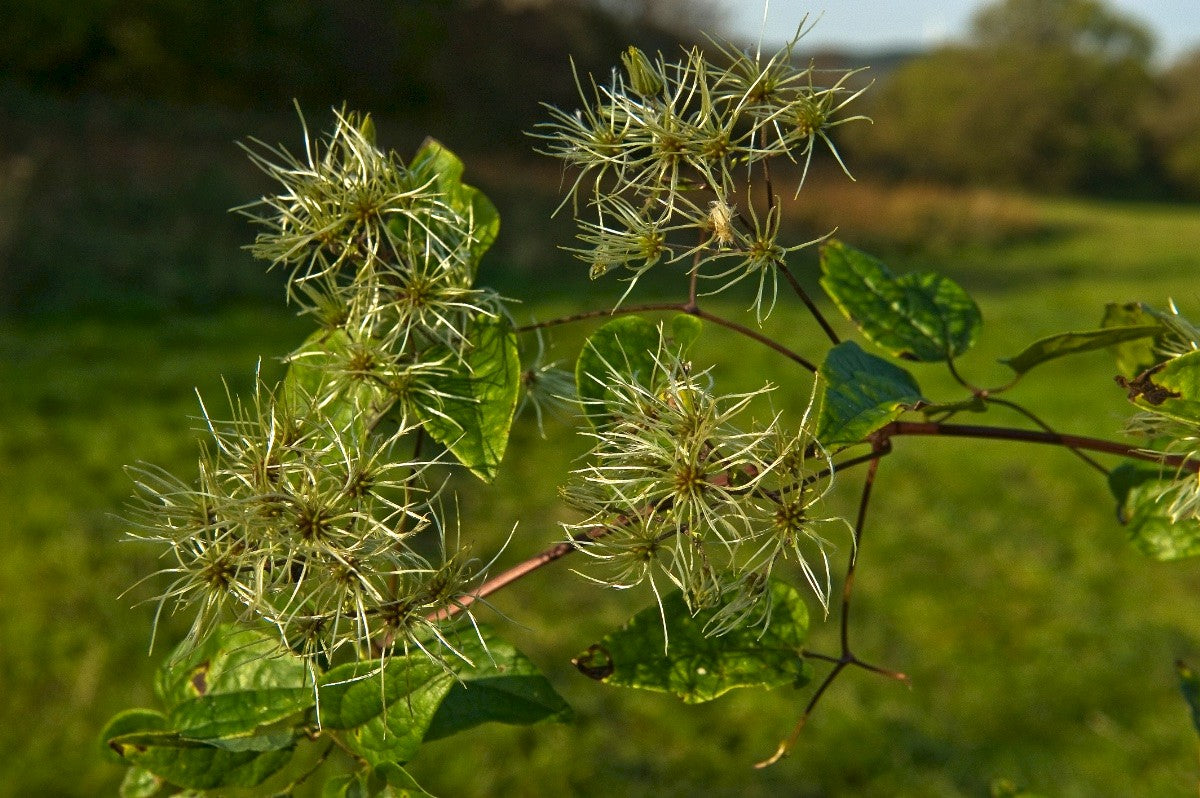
[367, 128]
[810, 116]
[643, 76]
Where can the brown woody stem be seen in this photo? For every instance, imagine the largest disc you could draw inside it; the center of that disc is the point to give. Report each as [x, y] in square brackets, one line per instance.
[808, 303]
[770, 343]
[685, 307]
[896, 428]
[519, 571]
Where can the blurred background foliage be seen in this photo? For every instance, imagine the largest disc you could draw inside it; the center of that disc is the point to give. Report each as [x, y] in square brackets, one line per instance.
[482, 66]
[118, 116]
[1048, 162]
[1051, 95]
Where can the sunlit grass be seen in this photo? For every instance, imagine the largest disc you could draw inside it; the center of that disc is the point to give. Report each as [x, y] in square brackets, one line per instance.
[1039, 644]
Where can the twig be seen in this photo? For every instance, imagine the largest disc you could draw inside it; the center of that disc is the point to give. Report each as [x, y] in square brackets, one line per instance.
[688, 308]
[519, 571]
[859, 524]
[884, 447]
[808, 302]
[974, 389]
[1029, 414]
[694, 280]
[878, 449]
[594, 314]
[1182, 462]
[770, 343]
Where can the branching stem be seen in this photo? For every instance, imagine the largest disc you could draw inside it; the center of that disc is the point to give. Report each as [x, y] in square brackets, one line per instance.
[519, 571]
[896, 428]
[879, 447]
[600, 313]
[687, 307]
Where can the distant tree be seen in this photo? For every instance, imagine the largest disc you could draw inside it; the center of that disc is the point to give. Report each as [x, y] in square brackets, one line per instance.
[1174, 124]
[1080, 26]
[1043, 95]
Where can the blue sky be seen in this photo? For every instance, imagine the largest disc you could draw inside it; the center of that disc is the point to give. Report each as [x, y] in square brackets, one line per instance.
[875, 24]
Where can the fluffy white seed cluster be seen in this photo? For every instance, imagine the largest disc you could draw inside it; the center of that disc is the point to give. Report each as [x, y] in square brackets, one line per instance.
[674, 489]
[1179, 436]
[312, 527]
[374, 246]
[662, 151]
[311, 510]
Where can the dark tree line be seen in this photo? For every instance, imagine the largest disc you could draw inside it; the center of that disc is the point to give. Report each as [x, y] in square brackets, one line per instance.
[1047, 95]
[478, 65]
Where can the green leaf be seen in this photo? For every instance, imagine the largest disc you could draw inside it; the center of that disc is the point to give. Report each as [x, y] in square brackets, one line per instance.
[139, 783]
[386, 713]
[478, 398]
[1189, 683]
[919, 316]
[1171, 389]
[359, 692]
[235, 704]
[196, 765]
[861, 394]
[316, 374]
[141, 739]
[245, 720]
[130, 721]
[434, 162]
[400, 784]
[696, 667]
[1134, 356]
[230, 660]
[504, 686]
[1138, 489]
[347, 785]
[624, 346]
[238, 690]
[1151, 529]
[1070, 343]
[1124, 478]
[387, 716]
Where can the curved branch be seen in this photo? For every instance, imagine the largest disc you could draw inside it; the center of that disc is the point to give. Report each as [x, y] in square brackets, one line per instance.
[770, 343]
[808, 303]
[519, 571]
[896, 428]
[684, 307]
[1091, 461]
[595, 314]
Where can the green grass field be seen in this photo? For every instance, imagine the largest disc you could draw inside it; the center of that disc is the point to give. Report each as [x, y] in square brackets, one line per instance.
[1039, 644]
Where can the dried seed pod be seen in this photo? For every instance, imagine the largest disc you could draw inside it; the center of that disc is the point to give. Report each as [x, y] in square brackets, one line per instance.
[720, 219]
